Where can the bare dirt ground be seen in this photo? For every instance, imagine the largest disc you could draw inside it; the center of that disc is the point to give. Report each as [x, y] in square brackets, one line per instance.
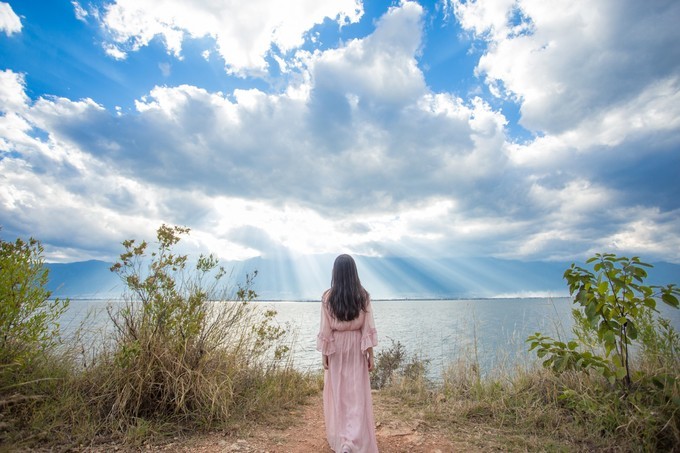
[304, 432]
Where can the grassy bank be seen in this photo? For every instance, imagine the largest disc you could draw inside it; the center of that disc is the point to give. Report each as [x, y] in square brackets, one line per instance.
[60, 402]
[538, 411]
[529, 407]
[176, 362]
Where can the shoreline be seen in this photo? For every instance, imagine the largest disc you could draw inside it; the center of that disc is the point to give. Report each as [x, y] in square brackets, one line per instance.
[396, 299]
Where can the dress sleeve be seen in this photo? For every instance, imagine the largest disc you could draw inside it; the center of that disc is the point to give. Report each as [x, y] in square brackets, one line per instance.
[325, 343]
[369, 334]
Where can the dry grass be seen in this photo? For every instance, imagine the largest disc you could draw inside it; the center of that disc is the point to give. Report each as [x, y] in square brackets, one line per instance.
[150, 387]
[174, 361]
[534, 409]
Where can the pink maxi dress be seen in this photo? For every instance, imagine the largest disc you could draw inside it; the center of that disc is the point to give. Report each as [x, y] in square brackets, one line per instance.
[347, 404]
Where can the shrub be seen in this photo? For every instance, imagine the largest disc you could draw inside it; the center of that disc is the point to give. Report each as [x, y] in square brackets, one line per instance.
[29, 334]
[28, 318]
[393, 363]
[617, 315]
[187, 353]
[615, 303]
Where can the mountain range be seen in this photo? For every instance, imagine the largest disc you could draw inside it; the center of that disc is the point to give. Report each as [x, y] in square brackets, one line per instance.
[305, 278]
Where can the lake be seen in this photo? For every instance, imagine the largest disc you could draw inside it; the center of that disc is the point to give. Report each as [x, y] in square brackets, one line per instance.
[441, 331]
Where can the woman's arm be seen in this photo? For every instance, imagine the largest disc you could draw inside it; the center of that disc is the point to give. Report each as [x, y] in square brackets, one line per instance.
[369, 356]
[324, 361]
[325, 343]
[369, 335]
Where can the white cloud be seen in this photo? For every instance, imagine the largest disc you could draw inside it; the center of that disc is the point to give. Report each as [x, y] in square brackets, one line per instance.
[80, 12]
[10, 23]
[485, 17]
[310, 147]
[646, 232]
[653, 113]
[78, 204]
[12, 94]
[165, 69]
[598, 84]
[245, 33]
[573, 59]
[568, 204]
[400, 169]
[114, 52]
[380, 68]
[357, 153]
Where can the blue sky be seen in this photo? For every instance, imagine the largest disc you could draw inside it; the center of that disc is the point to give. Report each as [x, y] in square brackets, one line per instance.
[523, 129]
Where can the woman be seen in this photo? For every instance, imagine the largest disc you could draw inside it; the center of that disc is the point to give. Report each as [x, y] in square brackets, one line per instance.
[346, 339]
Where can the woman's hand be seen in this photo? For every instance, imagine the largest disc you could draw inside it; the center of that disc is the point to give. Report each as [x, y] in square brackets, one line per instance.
[369, 356]
[324, 361]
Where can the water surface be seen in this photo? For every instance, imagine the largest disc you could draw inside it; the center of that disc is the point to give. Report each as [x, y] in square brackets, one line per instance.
[491, 332]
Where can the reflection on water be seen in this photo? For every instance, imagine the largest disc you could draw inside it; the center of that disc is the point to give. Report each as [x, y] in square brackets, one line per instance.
[441, 331]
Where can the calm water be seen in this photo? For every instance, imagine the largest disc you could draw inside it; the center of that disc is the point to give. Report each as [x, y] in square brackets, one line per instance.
[441, 331]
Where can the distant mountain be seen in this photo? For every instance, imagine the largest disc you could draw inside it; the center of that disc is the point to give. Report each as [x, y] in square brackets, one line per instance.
[305, 278]
[83, 280]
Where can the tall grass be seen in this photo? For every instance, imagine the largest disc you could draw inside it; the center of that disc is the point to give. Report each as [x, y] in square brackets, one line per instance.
[185, 354]
[528, 407]
[225, 380]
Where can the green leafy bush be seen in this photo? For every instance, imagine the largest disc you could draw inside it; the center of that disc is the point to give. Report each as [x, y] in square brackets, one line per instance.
[616, 327]
[614, 302]
[28, 317]
[30, 366]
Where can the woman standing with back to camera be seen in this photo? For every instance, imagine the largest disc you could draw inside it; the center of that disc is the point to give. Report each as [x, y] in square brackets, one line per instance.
[346, 339]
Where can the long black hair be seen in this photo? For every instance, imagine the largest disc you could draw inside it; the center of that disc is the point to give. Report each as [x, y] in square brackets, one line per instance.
[346, 296]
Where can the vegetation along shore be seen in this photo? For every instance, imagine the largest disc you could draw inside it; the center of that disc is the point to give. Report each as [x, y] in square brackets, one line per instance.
[179, 372]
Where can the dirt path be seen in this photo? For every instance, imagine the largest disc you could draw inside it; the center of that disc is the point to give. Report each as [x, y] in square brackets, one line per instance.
[399, 428]
[306, 434]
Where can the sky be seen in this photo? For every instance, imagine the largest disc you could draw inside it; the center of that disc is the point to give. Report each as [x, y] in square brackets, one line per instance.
[514, 129]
